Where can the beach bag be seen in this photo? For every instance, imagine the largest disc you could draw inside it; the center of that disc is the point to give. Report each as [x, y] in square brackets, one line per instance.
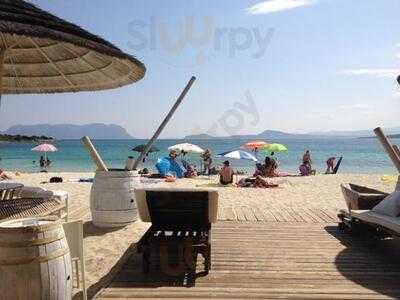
[55, 180]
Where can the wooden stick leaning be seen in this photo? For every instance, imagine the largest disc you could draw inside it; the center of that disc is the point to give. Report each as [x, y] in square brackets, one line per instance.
[397, 150]
[164, 122]
[101, 166]
[388, 147]
[2, 54]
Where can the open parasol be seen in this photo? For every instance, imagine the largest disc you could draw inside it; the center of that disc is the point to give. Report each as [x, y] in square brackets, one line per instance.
[274, 148]
[255, 145]
[41, 53]
[186, 147]
[141, 147]
[45, 148]
[238, 154]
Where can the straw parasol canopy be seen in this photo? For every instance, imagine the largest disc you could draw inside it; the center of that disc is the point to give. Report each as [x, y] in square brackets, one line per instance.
[41, 53]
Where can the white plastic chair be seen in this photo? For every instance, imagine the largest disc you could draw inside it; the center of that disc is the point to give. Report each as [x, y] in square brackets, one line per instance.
[74, 234]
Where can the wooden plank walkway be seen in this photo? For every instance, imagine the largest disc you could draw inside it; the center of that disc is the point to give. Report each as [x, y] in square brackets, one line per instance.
[275, 260]
[281, 214]
[244, 213]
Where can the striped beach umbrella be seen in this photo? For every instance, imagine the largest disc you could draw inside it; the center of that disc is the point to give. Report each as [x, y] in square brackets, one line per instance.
[238, 154]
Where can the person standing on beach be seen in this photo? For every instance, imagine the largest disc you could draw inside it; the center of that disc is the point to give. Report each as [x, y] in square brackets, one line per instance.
[42, 162]
[207, 161]
[307, 158]
[330, 165]
[307, 162]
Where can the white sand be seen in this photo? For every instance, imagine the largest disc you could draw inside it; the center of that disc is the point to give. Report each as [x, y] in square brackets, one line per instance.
[104, 248]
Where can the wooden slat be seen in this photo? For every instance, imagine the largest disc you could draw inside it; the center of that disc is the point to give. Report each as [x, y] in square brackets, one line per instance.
[274, 260]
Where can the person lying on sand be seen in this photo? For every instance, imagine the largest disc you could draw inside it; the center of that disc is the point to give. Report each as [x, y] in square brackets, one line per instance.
[257, 182]
[3, 175]
[226, 174]
[263, 183]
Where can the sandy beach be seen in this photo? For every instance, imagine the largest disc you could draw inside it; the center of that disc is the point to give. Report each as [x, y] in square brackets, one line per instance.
[105, 249]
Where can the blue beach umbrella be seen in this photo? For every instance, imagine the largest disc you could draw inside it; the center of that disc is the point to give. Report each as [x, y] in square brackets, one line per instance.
[238, 154]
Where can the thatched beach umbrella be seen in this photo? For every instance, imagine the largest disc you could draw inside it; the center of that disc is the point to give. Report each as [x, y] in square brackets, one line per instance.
[41, 53]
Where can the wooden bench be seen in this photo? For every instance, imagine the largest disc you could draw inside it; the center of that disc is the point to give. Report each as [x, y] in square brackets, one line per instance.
[181, 220]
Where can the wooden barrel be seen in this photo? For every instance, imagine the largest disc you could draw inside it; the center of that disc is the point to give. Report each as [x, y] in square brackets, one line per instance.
[35, 262]
[112, 198]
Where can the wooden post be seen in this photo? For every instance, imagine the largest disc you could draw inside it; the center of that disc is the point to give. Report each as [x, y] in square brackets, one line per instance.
[2, 55]
[397, 150]
[388, 147]
[101, 166]
[164, 123]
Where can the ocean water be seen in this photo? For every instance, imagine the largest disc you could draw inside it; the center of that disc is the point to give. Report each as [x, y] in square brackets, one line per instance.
[359, 155]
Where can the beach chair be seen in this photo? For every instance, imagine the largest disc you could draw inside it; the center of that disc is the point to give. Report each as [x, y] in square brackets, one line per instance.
[181, 219]
[10, 190]
[359, 216]
[61, 196]
[74, 234]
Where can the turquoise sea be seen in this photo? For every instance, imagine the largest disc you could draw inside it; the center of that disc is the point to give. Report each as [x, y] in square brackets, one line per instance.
[359, 155]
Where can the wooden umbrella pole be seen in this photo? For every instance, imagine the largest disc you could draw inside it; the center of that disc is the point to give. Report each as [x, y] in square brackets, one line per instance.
[101, 166]
[2, 55]
[388, 147]
[397, 150]
[165, 122]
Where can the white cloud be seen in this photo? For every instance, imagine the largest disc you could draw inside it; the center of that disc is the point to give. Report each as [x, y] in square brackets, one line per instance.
[270, 6]
[381, 73]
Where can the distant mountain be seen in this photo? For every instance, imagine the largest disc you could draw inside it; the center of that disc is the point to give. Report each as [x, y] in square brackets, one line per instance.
[356, 133]
[391, 136]
[69, 131]
[202, 136]
[267, 134]
[276, 135]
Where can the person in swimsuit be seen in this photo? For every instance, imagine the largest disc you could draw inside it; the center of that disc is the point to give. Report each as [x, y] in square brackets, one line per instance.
[226, 174]
[330, 165]
[207, 161]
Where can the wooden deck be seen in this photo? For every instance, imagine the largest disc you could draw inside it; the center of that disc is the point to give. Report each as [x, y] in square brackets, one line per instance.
[275, 260]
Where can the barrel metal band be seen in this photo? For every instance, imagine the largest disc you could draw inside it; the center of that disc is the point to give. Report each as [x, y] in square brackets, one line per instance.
[36, 259]
[36, 242]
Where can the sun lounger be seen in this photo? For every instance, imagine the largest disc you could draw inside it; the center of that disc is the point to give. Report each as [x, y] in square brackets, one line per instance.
[360, 200]
[359, 197]
[181, 219]
[367, 219]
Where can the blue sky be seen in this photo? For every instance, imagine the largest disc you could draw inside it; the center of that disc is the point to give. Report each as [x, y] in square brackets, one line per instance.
[293, 65]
